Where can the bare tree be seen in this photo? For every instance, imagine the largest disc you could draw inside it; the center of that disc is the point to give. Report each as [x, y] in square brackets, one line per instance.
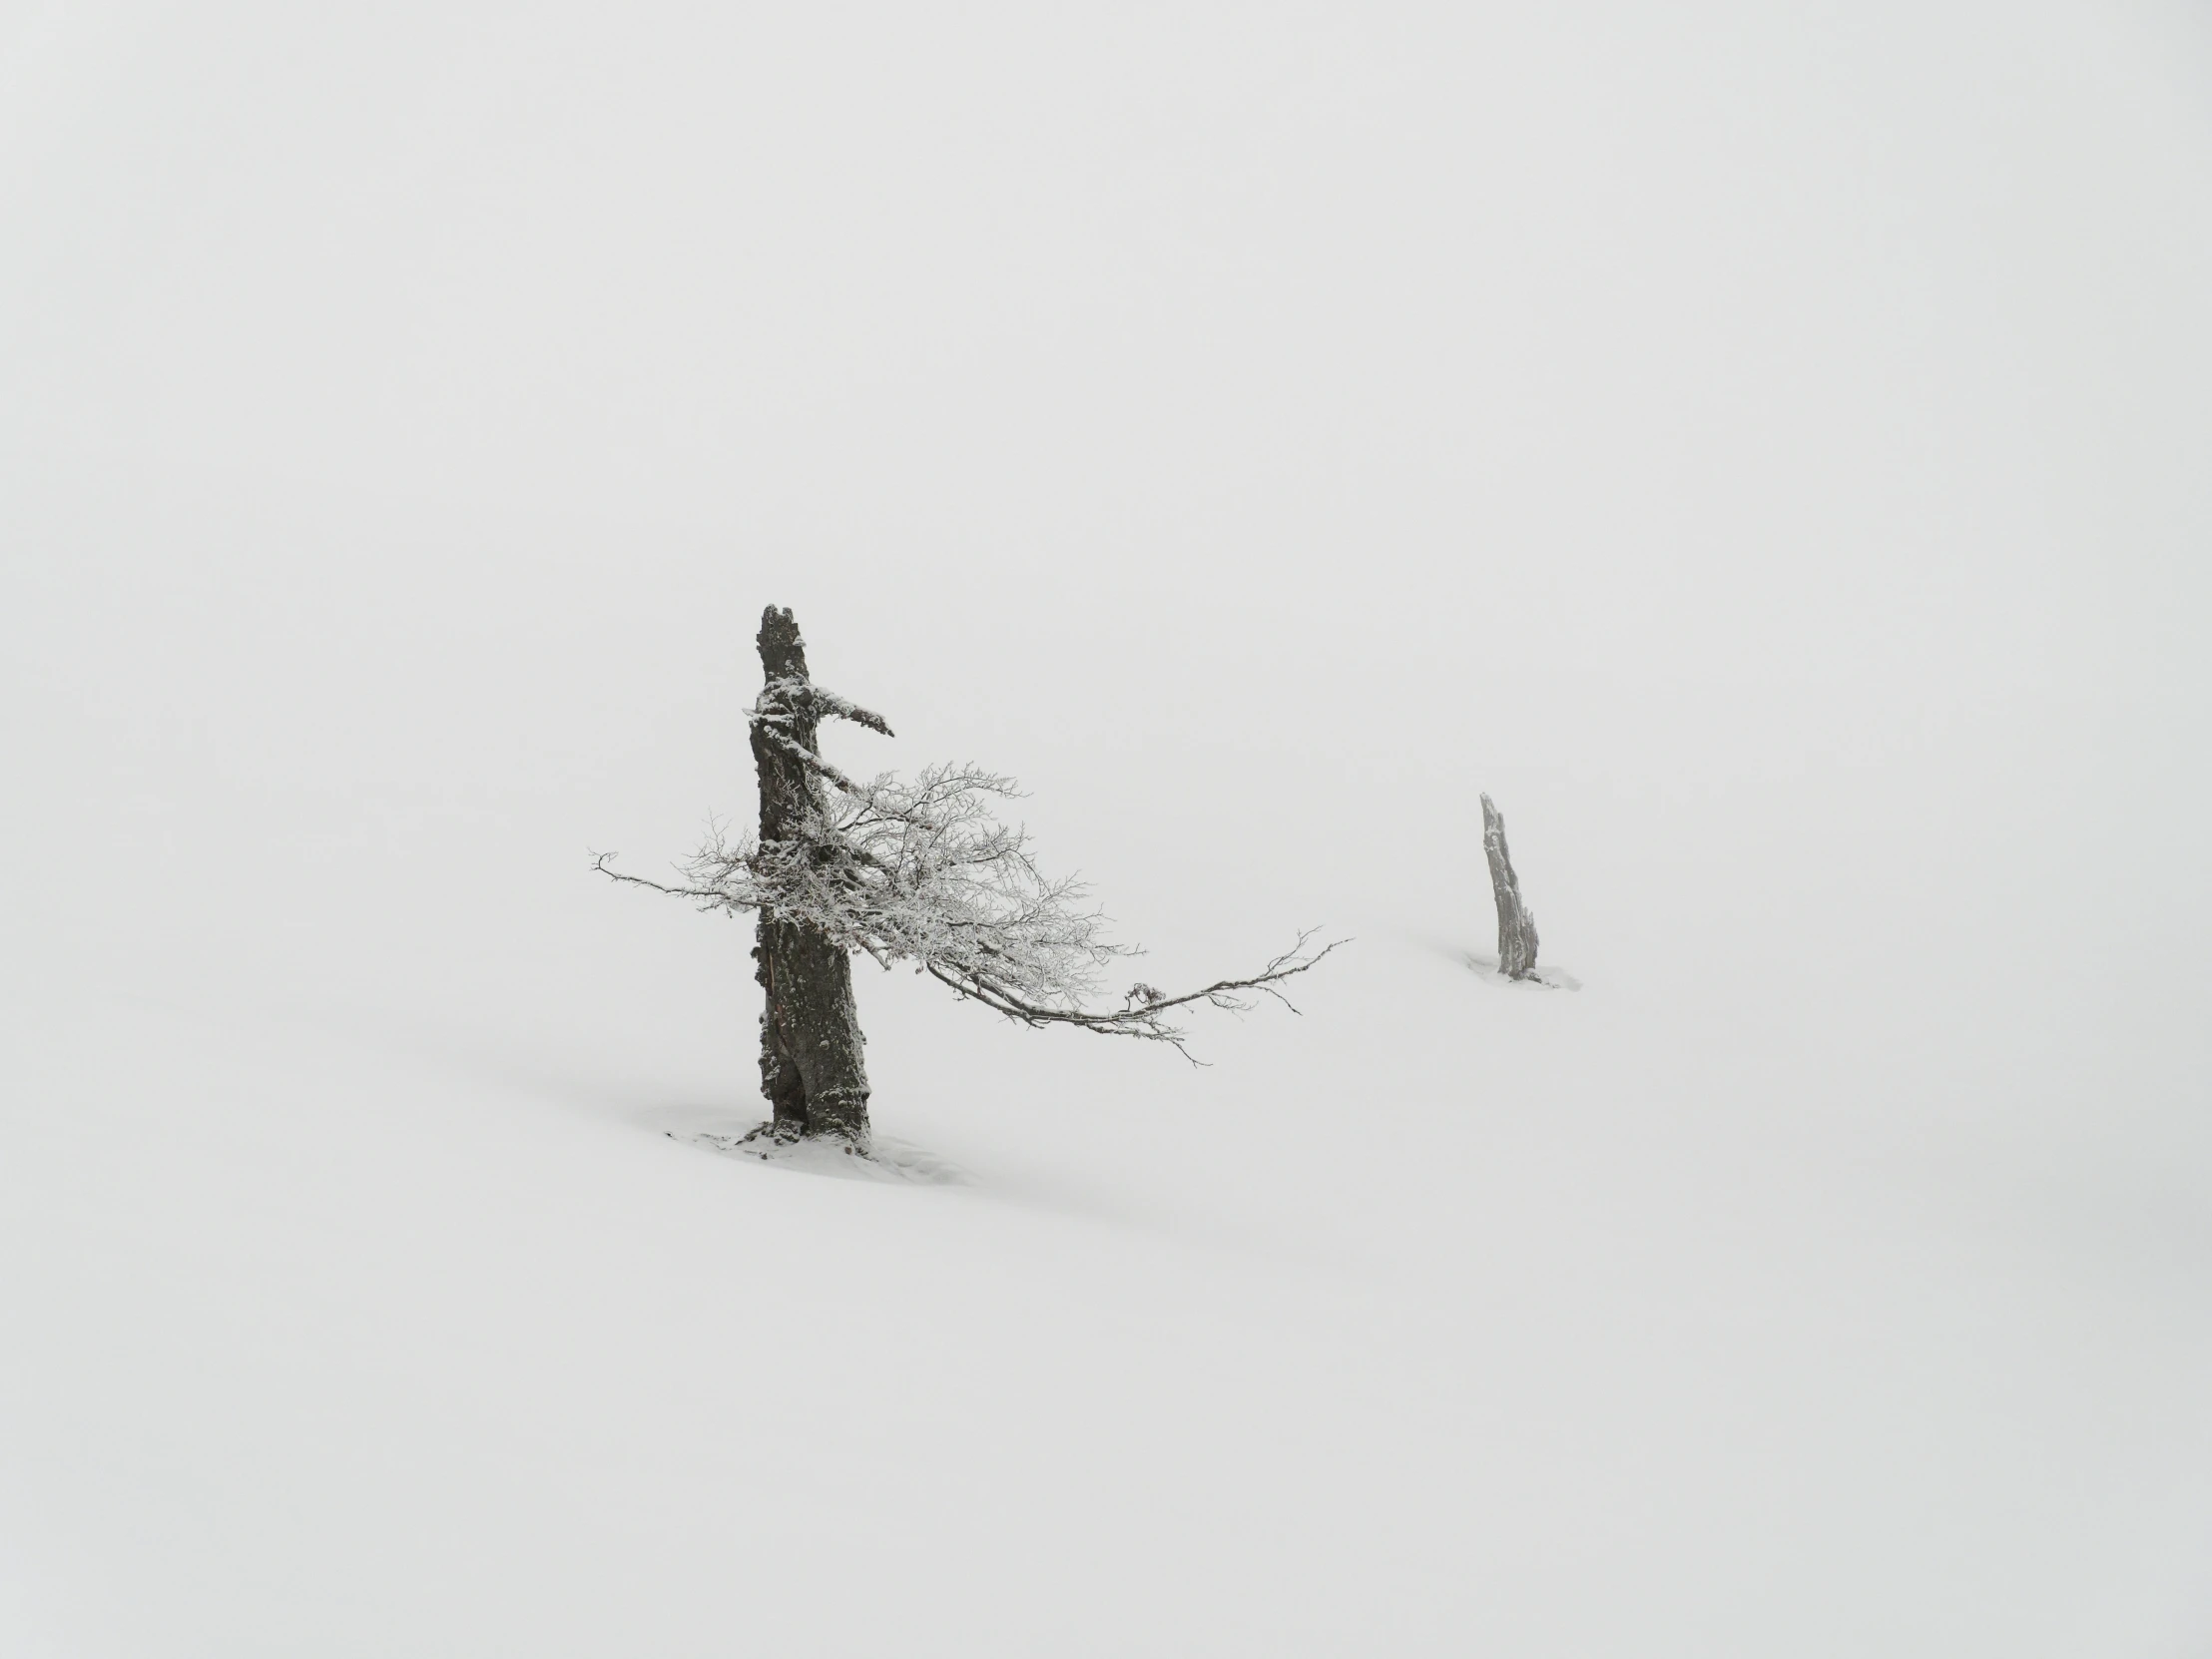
[902, 871]
[1516, 928]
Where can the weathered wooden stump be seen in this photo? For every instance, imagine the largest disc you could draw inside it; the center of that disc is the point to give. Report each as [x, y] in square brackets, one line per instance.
[1516, 928]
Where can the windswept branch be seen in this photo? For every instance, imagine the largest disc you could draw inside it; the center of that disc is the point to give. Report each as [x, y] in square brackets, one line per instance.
[922, 873]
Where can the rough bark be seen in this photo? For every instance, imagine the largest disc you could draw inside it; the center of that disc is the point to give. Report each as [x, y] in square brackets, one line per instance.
[1516, 928]
[811, 1069]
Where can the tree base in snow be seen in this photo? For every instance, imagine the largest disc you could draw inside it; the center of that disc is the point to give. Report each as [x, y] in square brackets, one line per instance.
[1551, 979]
[885, 1159]
[783, 1130]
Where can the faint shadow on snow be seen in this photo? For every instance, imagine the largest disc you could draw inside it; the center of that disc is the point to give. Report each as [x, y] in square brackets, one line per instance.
[1485, 967]
[719, 1131]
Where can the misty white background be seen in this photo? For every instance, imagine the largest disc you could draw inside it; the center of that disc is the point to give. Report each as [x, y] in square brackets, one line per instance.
[1765, 448]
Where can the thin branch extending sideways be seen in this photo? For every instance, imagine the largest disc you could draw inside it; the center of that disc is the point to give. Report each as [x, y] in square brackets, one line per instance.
[1143, 1018]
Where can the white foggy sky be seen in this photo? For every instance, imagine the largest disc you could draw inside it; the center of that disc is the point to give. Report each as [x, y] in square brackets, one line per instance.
[412, 407]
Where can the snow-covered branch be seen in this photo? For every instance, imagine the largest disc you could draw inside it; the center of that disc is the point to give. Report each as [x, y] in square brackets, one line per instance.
[782, 699]
[922, 871]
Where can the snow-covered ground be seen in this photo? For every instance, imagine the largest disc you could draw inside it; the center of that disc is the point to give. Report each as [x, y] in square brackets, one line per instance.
[1766, 455]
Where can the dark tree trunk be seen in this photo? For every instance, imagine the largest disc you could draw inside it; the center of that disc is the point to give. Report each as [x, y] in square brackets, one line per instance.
[811, 1069]
[1516, 928]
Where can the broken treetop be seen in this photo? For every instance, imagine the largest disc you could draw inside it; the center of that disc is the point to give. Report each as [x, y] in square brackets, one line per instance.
[783, 652]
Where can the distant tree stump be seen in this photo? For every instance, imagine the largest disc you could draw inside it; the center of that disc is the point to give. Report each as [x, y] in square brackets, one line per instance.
[1516, 928]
